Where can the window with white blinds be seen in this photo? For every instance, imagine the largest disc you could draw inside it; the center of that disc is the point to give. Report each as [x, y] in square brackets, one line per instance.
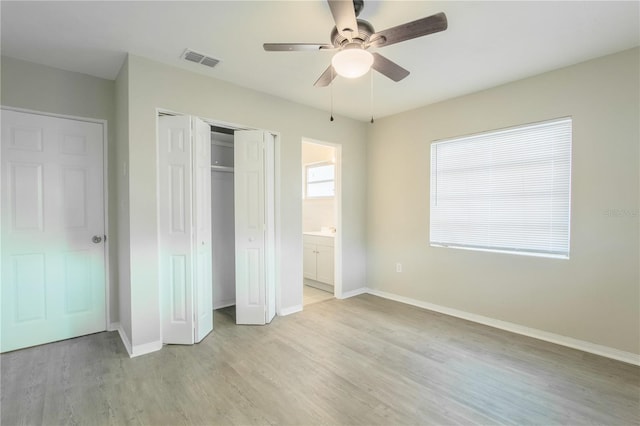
[320, 180]
[506, 191]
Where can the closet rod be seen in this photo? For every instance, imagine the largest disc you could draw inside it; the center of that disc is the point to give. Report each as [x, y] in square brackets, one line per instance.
[222, 169]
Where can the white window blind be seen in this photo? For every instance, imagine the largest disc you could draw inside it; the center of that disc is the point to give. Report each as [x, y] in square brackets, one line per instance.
[507, 190]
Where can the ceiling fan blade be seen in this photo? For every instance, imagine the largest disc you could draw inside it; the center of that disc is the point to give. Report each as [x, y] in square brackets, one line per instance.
[326, 78]
[388, 68]
[344, 14]
[421, 27]
[296, 47]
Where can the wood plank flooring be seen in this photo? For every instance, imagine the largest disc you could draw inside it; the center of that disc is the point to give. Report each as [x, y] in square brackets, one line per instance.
[359, 361]
[314, 295]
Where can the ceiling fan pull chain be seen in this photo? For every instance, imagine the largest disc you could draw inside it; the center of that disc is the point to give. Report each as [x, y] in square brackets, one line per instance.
[371, 104]
[331, 90]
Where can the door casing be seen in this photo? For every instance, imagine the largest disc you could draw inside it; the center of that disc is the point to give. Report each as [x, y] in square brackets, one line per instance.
[337, 212]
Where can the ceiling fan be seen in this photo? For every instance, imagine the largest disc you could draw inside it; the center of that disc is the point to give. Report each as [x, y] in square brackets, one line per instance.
[351, 37]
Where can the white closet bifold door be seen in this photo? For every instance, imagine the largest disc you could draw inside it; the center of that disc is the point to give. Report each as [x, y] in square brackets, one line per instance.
[184, 228]
[254, 226]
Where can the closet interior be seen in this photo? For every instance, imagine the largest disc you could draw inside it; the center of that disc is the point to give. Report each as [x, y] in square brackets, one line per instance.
[222, 217]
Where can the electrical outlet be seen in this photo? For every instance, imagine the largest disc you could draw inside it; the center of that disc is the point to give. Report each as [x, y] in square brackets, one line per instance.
[398, 267]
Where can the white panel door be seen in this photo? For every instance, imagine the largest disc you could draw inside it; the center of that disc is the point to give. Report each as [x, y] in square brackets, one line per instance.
[250, 226]
[203, 302]
[53, 271]
[175, 228]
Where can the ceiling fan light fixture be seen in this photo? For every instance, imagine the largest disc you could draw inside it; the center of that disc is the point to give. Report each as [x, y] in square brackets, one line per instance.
[352, 62]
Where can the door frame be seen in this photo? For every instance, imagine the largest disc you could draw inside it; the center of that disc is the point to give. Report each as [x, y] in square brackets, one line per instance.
[337, 212]
[276, 198]
[108, 326]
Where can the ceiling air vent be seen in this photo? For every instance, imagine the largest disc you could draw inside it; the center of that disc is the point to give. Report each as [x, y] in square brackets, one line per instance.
[199, 58]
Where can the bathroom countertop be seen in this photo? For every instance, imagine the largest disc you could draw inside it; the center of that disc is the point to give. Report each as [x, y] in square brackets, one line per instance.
[320, 234]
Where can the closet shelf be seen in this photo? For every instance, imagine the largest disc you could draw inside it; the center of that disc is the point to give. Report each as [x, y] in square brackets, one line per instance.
[222, 169]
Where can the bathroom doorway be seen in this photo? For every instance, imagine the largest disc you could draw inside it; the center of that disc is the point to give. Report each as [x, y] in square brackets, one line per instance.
[321, 221]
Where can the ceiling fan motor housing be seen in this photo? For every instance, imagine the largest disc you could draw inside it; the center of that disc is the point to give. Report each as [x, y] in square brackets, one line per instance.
[365, 30]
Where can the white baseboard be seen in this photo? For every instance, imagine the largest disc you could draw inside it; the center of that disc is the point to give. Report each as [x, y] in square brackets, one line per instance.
[137, 350]
[125, 340]
[570, 342]
[146, 348]
[114, 326]
[355, 292]
[288, 311]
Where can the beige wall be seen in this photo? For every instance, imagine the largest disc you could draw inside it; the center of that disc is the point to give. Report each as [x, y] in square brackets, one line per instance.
[594, 296]
[317, 212]
[40, 88]
[153, 85]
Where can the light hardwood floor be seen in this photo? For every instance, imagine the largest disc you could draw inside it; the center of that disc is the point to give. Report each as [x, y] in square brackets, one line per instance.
[313, 295]
[363, 360]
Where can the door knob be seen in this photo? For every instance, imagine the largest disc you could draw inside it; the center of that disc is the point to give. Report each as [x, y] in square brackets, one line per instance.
[96, 239]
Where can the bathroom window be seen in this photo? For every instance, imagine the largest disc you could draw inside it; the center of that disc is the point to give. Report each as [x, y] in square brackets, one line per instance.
[506, 191]
[320, 180]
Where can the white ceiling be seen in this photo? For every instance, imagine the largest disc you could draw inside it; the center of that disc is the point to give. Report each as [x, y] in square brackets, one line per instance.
[486, 44]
